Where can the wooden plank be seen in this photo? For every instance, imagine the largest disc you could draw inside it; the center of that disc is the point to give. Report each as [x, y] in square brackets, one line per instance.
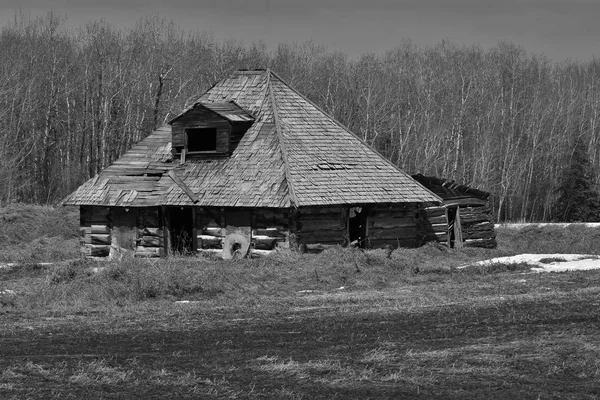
[99, 229]
[393, 224]
[150, 241]
[458, 237]
[437, 220]
[183, 186]
[272, 231]
[321, 236]
[209, 242]
[141, 251]
[470, 201]
[394, 233]
[101, 239]
[165, 231]
[194, 230]
[266, 242]
[147, 231]
[315, 225]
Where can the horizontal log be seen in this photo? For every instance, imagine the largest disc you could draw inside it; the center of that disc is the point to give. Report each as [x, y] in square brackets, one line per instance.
[99, 239]
[395, 233]
[316, 238]
[438, 220]
[141, 251]
[220, 232]
[96, 228]
[273, 232]
[470, 201]
[314, 225]
[95, 250]
[473, 218]
[433, 212]
[320, 210]
[393, 223]
[266, 242]
[479, 235]
[209, 242]
[147, 231]
[150, 241]
[384, 216]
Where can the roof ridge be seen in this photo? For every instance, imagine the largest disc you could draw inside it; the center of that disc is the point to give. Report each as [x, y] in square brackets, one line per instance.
[286, 164]
[338, 123]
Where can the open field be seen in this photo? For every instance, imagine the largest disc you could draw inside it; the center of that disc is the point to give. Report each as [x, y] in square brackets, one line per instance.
[341, 324]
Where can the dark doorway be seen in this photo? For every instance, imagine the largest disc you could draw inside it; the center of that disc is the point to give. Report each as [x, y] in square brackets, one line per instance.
[454, 227]
[181, 226]
[357, 226]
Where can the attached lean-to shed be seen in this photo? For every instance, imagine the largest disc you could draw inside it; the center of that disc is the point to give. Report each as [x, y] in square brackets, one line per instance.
[468, 216]
[251, 165]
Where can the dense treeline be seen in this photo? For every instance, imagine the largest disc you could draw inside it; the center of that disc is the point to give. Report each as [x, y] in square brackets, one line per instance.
[72, 101]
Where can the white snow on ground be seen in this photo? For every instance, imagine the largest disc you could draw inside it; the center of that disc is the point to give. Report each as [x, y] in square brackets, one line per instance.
[543, 224]
[572, 262]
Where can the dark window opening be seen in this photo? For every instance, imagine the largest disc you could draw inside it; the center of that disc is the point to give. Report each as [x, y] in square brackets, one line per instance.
[201, 139]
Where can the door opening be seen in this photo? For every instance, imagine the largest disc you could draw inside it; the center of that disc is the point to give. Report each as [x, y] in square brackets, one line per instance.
[357, 226]
[454, 227]
[181, 224]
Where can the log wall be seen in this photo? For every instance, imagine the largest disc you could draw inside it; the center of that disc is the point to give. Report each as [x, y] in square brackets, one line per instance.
[95, 231]
[434, 224]
[270, 228]
[323, 225]
[477, 226]
[105, 232]
[395, 225]
[210, 228]
[149, 238]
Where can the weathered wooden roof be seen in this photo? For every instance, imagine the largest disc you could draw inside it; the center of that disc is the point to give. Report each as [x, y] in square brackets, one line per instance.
[227, 109]
[448, 189]
[138, 178]
[293, 155]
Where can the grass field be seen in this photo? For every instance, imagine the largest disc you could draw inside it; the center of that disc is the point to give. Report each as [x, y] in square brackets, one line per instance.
[342, 324]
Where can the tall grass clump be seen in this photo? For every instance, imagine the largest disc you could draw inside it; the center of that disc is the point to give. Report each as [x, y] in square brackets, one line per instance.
[30, 232]
[549, 239]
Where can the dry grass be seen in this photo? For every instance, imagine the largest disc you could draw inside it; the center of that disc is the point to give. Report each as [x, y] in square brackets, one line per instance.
[340, 324]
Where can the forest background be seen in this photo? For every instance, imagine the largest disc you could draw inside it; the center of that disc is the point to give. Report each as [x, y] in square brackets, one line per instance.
[499, 119]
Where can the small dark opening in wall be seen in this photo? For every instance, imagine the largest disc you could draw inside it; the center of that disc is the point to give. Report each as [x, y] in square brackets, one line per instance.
[201, 139]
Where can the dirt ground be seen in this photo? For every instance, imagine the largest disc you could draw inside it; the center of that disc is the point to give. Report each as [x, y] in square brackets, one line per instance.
[303, 353]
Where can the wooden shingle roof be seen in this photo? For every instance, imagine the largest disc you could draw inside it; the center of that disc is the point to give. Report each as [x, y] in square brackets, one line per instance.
[293, 155]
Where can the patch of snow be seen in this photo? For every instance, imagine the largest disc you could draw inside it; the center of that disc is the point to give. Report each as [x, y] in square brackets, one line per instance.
[563, 262]
[541, 224]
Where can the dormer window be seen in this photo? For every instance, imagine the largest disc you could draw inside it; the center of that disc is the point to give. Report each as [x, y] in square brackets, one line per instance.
[201, 139]
[209, 129]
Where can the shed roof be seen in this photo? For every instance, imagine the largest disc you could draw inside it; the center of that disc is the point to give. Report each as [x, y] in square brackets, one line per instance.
[448, 189]
[293, 155]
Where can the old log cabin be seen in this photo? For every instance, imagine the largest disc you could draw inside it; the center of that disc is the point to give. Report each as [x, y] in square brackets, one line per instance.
[468, 213]
[251, 165]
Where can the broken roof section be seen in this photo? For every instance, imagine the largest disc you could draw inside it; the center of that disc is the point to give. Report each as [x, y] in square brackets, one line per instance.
[293, 155]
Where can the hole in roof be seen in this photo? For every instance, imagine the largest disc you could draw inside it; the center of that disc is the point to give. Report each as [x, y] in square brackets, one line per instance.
[327, 166]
